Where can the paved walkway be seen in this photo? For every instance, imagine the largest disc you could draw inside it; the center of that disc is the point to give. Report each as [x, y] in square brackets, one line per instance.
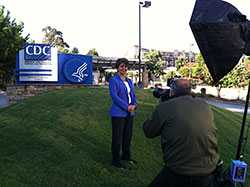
[228, 105]
[4, 100]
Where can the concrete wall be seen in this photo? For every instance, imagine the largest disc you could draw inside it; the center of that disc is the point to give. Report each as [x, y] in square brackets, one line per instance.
[226, 93]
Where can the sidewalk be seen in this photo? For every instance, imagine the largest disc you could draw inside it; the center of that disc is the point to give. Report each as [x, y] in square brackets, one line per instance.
[4, 100]
[234, 106]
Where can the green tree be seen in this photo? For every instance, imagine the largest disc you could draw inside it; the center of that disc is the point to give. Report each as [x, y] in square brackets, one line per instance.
[185, 71]
[200, 70]
[246, 59]
[179, 63]
[55, 38]
[169, 75]
[11, 41]
[63, 50]
[154, 63]
[237, 77]
[75, 50]
[93, 52]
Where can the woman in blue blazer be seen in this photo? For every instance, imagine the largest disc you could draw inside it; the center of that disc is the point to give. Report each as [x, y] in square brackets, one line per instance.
[123, 97]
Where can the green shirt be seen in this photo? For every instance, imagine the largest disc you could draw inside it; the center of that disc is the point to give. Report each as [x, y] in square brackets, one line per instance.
[188, 135]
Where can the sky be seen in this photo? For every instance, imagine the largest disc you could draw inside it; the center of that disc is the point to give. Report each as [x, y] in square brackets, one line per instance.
[111, 26]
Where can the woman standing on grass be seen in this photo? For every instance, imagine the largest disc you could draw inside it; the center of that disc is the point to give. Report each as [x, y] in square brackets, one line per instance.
[123, 97]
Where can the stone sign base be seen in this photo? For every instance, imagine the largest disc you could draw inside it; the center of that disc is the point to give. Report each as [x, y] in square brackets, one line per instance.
[16, 93]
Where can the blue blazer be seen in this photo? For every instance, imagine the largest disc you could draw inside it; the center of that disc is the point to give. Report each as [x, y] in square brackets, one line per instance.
[119, 96]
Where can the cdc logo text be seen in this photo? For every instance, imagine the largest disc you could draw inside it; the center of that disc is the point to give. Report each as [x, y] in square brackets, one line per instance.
[37, 52]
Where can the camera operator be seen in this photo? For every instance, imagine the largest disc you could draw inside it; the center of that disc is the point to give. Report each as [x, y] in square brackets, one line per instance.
[188, 139]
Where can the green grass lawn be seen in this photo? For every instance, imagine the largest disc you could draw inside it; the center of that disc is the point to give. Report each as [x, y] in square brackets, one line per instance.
[62, 138]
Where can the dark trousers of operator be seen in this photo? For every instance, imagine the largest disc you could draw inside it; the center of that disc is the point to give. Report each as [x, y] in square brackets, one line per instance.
[167, 178]
[121, 138]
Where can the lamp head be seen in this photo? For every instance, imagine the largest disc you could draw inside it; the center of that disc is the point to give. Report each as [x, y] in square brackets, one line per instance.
[145, 4]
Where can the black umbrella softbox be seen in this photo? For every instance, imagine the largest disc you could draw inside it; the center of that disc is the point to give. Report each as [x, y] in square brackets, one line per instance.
[222, 34]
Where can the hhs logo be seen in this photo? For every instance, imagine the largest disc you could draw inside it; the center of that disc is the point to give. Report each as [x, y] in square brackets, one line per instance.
[80, 72]
[76, 70]
[38, 52]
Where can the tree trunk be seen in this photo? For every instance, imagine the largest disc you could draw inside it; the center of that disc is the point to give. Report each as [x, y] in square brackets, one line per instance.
[145, 78]
[218, 91]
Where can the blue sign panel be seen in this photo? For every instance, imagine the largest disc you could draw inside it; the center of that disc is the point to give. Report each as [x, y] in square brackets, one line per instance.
[37, 52]
[75, 69]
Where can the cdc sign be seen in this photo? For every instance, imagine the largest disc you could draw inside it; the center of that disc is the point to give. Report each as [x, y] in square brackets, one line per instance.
[37, 52]
[36, 63]
[41, 63]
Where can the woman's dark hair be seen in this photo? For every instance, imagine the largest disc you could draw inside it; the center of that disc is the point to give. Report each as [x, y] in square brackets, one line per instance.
[120, 61]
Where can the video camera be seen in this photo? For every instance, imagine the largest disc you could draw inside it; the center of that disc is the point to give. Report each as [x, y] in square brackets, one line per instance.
[162, 94]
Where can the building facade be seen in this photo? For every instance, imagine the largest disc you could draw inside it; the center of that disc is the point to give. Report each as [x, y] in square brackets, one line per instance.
[170, 57]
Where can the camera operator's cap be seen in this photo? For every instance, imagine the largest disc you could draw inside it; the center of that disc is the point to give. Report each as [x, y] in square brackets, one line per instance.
[180, 86]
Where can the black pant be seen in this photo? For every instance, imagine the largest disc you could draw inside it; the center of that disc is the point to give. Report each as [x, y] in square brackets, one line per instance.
[121, 137]
[167, 178]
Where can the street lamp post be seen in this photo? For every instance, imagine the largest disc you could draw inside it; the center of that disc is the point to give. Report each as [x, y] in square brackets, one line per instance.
[145, 4]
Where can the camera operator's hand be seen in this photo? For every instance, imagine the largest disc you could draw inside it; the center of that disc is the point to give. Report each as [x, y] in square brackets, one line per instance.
[131, 108]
